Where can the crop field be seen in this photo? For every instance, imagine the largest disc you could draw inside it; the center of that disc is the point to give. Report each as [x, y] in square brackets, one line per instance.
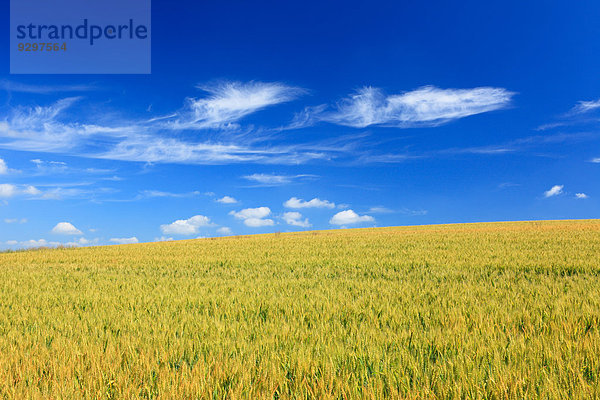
[491, 310]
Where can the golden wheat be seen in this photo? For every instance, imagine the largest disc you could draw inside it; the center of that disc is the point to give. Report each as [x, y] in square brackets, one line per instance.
[499, 310]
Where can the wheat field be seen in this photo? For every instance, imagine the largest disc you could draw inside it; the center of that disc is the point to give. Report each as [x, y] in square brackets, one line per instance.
[476, 311]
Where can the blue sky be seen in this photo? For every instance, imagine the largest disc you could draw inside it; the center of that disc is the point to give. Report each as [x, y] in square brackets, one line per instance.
[261, 117]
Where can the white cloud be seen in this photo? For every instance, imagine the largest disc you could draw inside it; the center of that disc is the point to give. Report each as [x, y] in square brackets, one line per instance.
[32, 191]
[15, 220]
[585, 106]
[228, 102]
[57, 129]
[314, 203]
[408, 211]
[224, 231]
[49, 167]
[7, 190]
[130, 240]
[426, 106]
[258, 222]
[307, 117]
[275, 180]
[66, 228]
[188, 226]
[227, 200]
[581, 195]
[158, 193]
[45, 243]
[163, 239]
[35, 243]
[254, 217]
[596, 160]
[554, 191]
[10, 86]
[259, 212]
[348, 217]
[3, 167]
[295, 218]
[153, 148]
[380, 210]
[82, 242]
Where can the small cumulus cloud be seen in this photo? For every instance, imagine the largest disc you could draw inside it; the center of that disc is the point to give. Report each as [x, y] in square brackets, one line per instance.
[314, 203]
[258, 222]
[7, 190]
[32, 191]
[188, 226]
[82, 242]
[295, 218]
[33, 243]
[46, 243]
[224, 231]
[348, 217]
[129, 240]
[554, 191]
[581, 195]
[254, 217]
[66, 228]
[227, 200]
[3, 167]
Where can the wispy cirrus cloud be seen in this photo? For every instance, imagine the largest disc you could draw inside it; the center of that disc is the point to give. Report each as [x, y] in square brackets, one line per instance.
[228, 102]
[583, 107]
[11, 86]
[15, 220]
[159, 193]
[276, 179]
[426, 106]
[520, 145]
[64, 127]
[55, 128]
[380, 210]
[584, 112]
